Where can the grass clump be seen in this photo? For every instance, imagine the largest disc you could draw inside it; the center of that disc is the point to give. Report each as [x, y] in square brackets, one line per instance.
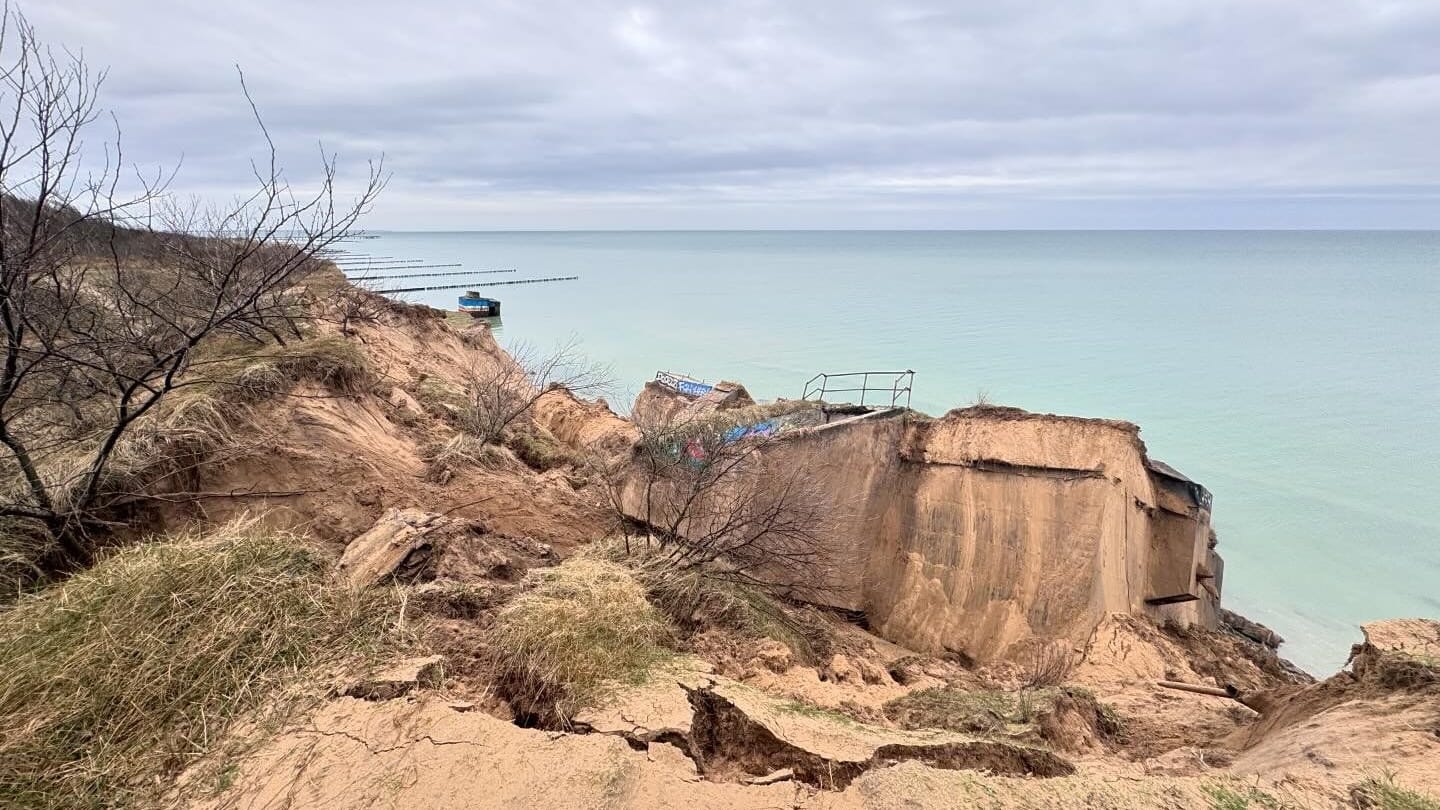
[1382, 793]
[118, 678]
[445, 459]
[816, 712]
[22, 543]
[696, 599]
[1239, 797]
[968, 711]
[330, 360]
[1019, 713]
[243, 371]
[538, 448]
[576, 630]
[440, 398]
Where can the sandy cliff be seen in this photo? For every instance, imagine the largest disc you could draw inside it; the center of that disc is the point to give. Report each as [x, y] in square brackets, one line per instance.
[991, 527]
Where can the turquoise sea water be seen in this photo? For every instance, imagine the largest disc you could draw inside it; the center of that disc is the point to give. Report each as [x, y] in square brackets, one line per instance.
[1295, 374]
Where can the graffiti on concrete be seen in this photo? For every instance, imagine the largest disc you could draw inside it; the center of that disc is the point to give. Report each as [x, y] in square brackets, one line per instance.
[682, 384]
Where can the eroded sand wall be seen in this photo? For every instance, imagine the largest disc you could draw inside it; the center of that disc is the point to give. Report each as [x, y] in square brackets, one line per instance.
[1010, 529]
[989, 527]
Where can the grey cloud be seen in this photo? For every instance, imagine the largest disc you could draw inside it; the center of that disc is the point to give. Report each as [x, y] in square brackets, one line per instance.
[824, 113]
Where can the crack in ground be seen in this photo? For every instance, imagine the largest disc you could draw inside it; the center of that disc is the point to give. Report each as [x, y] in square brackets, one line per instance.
[725, 740]
[364, 743]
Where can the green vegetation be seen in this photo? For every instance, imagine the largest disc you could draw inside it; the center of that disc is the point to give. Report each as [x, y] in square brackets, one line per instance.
[817, 712]
[991, 711]
[968, 711]
[440, 398]
[538, 448]
[1239, 797]
[574, 632]
[131, 670]
[1383, 793]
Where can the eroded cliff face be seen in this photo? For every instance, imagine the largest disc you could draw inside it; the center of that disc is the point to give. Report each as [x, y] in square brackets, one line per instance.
[993, 527]
[1005, 526]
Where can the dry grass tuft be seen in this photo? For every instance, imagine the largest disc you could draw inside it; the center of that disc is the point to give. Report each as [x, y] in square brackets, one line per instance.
[968, 711]
[576, 630]
[1235, 795]
[124, 674]
[993, 712]
[1382, 793]
[462, 450]
[696, 602]
[539, 449]
[239, 370]
[439, 398]
[331, 361]
[22, 543]
[172, 439]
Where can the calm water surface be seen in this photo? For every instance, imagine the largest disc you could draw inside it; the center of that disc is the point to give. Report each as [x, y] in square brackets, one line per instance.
[1296, 374]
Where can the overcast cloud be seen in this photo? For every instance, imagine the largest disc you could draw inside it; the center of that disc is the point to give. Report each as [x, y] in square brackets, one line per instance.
[799, 113]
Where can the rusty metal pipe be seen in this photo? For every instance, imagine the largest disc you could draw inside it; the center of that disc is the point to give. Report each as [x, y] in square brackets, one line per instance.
[1257, 701]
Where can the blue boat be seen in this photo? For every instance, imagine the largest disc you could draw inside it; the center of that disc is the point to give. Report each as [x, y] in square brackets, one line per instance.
[479, 306]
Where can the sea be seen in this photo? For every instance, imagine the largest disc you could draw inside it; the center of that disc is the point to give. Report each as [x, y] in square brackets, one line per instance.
[1296, 374]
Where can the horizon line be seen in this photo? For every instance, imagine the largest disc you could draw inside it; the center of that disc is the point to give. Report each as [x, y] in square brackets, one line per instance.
[905, 230]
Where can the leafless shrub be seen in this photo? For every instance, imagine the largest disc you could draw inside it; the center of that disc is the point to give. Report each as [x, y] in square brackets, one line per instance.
[501, 389]
[710, 496]
[105, 296]
[355, 303]
[1047, 665]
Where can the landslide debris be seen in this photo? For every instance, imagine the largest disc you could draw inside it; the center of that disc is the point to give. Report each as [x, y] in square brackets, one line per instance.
[739, 732]
[1063, 718]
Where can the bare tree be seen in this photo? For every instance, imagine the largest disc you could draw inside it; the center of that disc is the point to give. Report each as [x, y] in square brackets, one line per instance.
[501, 389]
[729, 499]
[104, 296]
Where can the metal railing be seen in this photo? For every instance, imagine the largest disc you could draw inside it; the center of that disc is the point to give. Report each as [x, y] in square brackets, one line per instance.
[894, 383]
[680, 383]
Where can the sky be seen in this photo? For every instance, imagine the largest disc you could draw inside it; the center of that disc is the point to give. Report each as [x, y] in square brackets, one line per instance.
[551, 114]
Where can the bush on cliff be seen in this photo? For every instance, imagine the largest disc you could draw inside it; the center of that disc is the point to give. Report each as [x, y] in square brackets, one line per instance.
[696, 602]
[134, 668]
[575, 631]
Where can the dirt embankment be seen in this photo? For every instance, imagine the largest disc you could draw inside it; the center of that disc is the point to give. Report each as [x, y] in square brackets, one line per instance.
[340, 460]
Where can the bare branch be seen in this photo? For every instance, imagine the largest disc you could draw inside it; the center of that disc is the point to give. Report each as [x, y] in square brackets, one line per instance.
[105, 297]
[718, 497]
[502, 388]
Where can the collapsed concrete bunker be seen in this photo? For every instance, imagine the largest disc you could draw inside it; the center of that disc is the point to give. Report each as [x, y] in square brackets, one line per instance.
[989, 527]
